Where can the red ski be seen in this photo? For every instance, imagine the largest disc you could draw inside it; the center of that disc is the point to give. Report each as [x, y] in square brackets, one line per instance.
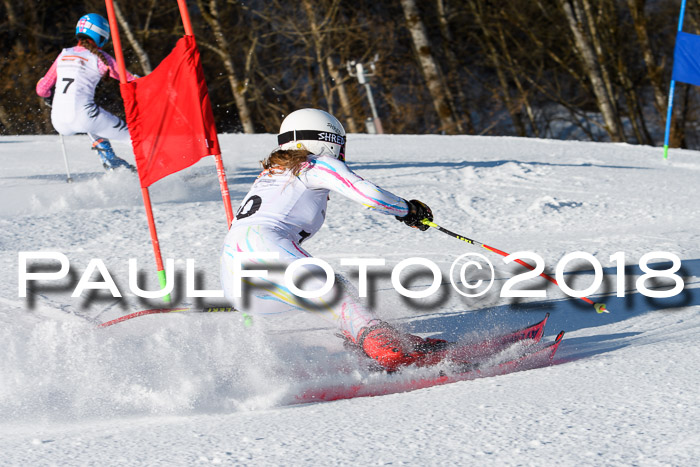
[476, 351]
[398, 382]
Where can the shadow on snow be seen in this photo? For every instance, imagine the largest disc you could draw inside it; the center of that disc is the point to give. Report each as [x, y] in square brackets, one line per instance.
[568, 314]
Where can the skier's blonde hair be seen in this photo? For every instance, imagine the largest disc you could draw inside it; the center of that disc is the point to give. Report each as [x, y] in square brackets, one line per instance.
[286, 159]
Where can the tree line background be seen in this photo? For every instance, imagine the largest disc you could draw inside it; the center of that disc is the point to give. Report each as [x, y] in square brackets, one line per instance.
[568, 69]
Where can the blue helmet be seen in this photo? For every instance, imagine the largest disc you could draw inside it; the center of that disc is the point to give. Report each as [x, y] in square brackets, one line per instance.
[95, 27]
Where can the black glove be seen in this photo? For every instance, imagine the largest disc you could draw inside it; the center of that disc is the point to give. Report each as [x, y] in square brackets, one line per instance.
[417, 211]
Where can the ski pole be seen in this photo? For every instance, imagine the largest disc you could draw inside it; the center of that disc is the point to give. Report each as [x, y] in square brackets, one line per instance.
[65, 160]
[599, 307]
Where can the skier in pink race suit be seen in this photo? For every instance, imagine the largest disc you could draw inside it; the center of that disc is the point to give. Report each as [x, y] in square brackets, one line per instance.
[285, 206]
[70, 86]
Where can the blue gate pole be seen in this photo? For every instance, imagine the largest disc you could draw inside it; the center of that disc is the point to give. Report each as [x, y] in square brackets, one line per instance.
[671, 90]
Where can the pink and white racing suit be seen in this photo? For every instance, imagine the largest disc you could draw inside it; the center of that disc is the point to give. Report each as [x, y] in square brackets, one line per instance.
[75, 74]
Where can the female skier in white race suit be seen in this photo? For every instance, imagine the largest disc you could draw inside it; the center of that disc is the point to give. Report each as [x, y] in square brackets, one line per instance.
[70, 83]
[285, 206]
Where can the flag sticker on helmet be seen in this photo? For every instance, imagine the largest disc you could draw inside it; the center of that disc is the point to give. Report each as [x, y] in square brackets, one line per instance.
[93, 27]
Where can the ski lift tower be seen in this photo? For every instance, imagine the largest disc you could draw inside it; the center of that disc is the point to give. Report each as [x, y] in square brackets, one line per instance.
[357, 69]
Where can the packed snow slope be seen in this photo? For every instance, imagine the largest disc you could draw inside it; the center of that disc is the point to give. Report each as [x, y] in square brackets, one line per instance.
[188, 388]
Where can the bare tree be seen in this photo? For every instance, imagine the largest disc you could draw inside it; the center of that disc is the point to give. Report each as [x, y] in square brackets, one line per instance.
[324, 61]
[343, 97]
[210, 13]
[461, 111]
[498, 57]
[583, 40]
[135, 44]
[11, 15]
[429, 67]
[542, 67]
[654, 70]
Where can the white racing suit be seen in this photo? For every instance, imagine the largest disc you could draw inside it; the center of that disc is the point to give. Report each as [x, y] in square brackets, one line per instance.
[278, 213]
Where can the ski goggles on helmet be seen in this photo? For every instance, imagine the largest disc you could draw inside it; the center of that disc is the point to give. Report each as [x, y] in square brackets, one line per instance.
[314, 135]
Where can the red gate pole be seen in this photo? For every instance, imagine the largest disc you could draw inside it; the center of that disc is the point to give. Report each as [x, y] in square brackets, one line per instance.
[119, 56]
[220, 171]
[185, 14]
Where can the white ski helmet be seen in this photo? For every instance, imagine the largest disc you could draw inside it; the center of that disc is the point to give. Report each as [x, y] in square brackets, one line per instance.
[314, 130]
